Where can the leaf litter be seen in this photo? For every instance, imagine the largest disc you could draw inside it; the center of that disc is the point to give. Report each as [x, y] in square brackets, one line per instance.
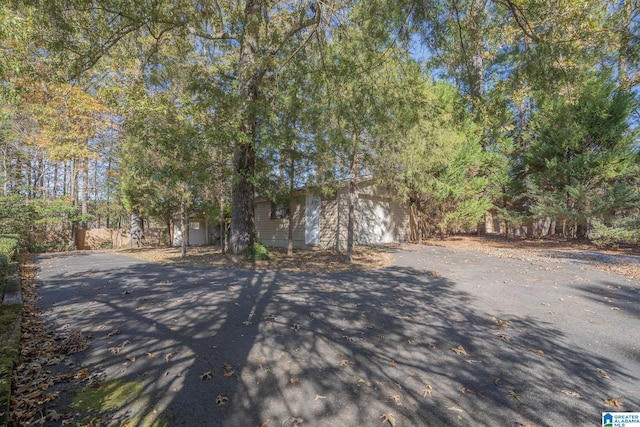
[43, 366]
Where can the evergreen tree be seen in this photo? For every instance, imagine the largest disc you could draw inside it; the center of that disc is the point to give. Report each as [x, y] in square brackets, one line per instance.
[580, 156]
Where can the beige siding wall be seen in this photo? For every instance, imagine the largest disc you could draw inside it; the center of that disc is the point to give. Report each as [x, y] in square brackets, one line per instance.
[274, 232]
[379, 219]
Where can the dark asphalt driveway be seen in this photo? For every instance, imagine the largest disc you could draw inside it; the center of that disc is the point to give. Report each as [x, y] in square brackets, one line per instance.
[443, 337]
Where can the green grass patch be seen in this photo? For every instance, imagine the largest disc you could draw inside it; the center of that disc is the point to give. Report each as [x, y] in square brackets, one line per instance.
[98, 403]
[9, 353]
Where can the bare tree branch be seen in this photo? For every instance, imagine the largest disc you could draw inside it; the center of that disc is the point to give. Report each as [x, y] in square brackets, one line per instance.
[519, 17]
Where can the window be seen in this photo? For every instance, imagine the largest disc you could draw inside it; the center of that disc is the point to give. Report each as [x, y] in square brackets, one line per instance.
[279, 212]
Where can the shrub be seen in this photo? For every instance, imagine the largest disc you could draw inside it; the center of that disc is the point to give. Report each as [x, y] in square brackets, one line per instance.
[8, 246]
[106, 244]
[257, 252]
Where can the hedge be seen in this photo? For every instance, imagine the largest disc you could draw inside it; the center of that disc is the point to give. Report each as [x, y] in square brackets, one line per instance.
[9, 327]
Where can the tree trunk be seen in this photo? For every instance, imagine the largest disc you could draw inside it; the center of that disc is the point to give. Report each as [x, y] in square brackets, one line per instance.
[223, 227]
[85, 191]
[54, 190]
[353, 176]
[351, 217]
[108, 181]
[184, 229]
[242, 191]
[28, 179]
[95, 191]
[582, 230]
[73, 181]
[625, 37]
[169, 233]
[292, 165]
[419, 220]
[5, 172]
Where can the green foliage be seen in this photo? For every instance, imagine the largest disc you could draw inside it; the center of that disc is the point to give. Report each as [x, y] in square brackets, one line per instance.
[439, 163]
[618, 215]
[9, 352]
[257, 252]
[8, 247]
[9, 326]
[289, 94]
[580, 162]
[8, 244]
[38, 217]
[14, 214]
[623, 231]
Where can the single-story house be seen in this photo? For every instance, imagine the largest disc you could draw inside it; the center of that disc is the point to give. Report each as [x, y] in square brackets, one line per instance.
[320, 221]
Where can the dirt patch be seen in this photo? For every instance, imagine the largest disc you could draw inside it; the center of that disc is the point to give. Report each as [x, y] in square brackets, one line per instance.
[316, 261]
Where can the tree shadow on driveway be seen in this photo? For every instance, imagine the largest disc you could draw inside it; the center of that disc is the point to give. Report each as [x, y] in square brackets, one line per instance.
[250, 348]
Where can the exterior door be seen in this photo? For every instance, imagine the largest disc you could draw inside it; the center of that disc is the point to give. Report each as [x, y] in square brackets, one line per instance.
[312, 226]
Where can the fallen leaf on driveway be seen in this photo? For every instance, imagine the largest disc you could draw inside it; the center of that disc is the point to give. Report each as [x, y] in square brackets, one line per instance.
[395, 399]
[345, 362]
[459, 350]
[388, 418]
[571, 393]
[501, 323]
[206, 375]
[221, 400]
[427, 390]
[601, 373]
[515, 395]
[615, 402]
